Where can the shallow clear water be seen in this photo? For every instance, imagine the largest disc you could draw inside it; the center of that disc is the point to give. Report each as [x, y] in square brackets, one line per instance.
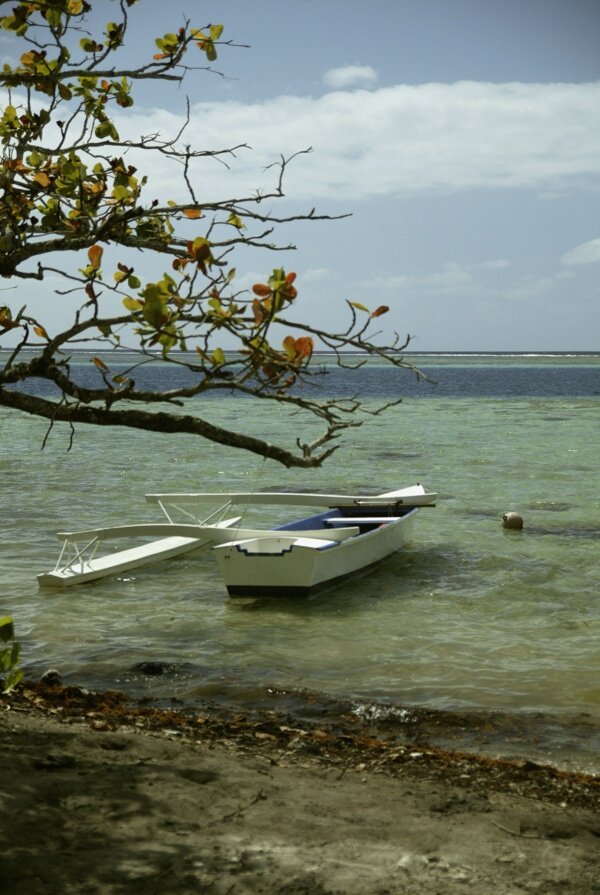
[470, 616]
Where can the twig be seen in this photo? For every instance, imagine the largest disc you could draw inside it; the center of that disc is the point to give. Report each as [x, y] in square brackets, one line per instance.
[240, 810]
[520, 835]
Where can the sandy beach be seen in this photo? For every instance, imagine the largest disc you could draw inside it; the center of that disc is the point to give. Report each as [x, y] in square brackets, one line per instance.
[100, 795]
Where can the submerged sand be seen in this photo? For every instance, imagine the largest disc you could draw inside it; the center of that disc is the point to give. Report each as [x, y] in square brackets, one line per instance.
[100, 795]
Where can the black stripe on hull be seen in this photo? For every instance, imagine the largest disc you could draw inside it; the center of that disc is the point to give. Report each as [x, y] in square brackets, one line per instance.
[283, 592]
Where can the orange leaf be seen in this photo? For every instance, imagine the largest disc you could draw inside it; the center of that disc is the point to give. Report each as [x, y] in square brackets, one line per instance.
[199, 250]
[100, 364]
[16, 164]
[289, 343]
[261, 289]
[304, 347]
[382, 309]
[258, 311]
[40, 331]
[290, 278]
[95, 256]
[192, 213]
[42, 179]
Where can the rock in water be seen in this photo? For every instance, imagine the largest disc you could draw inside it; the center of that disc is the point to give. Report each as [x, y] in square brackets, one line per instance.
[51, 678]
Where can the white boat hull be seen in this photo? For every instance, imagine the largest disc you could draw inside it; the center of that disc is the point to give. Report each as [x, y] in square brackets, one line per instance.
[286, 567]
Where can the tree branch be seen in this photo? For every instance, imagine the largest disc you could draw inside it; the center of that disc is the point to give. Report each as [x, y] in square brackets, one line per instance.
[164, 423]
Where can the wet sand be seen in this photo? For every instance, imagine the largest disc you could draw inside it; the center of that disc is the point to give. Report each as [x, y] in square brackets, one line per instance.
[102, 795]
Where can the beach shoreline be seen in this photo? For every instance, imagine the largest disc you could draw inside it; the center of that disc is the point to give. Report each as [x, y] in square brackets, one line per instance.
[178, 800]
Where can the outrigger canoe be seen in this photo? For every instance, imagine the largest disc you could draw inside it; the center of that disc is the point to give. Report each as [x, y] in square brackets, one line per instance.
[296, 558]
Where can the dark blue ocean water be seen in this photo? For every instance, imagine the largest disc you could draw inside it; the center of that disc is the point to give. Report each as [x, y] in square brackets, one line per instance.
[452, 376]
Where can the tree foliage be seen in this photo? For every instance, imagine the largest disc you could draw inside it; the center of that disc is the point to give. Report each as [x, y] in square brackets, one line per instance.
[10, 671]
[74, 207]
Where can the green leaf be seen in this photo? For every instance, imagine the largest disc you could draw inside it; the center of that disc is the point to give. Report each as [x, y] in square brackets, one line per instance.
[120, 193]
[132, 304]
[357, 304]
[14, 677]
[218, 357]
[168, 339]
[236, 221]
[103, 130]
[7, 631]
[155, 310]
[34, 159]
[9, 655]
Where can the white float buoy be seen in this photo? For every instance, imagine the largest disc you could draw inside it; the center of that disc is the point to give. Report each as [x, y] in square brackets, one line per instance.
[512, 520]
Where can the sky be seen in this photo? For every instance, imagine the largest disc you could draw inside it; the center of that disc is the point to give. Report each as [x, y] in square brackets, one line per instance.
[461, 136]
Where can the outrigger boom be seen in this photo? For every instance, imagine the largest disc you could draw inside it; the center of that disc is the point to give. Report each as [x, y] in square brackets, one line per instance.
[406, 497]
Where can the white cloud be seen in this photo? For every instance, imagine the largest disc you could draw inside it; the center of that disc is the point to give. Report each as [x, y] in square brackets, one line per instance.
[317, 274]
[494, 264]
[397, 140]
[453, 278]
[530, 287]
[587, 253]
[462, 282]
[350, 76]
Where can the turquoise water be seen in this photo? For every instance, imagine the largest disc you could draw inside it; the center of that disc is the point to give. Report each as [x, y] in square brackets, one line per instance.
[470, 616]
